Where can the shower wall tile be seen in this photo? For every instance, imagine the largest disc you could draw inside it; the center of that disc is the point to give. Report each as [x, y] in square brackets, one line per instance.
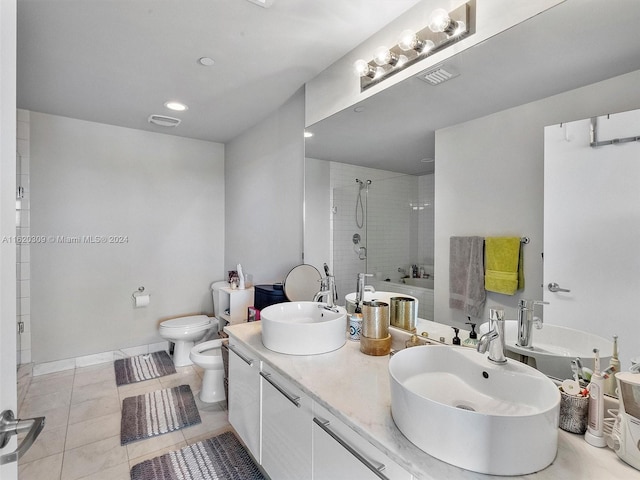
[399, 223]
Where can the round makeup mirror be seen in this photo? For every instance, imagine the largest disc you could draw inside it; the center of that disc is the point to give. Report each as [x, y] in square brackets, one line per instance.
[302, 283]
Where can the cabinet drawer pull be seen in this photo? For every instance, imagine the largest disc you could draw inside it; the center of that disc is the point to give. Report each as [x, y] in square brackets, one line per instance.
[235, 350]
[377, 469]
[292, 398]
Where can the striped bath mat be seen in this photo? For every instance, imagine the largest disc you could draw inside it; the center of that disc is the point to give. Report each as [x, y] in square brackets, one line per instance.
[143, 367]
[221, 458]
[158, 412]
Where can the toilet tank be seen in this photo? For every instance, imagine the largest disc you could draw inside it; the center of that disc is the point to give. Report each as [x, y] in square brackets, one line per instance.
[215, 294]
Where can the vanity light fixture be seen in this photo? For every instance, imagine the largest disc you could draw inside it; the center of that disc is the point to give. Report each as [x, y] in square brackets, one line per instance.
[444, 29]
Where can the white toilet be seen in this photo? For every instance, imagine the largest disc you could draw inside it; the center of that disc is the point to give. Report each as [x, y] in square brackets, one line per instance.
[208, 355]
[184, 332]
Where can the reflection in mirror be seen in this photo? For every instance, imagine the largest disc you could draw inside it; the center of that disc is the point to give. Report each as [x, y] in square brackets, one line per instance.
[501, 83]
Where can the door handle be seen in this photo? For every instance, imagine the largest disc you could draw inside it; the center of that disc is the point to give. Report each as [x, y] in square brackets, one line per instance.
[9, 425]
[554, 287]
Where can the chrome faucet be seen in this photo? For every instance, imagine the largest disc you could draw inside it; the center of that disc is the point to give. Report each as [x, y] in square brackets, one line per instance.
[327, 291]
[526, 320]
[361, 287]
[493, 340]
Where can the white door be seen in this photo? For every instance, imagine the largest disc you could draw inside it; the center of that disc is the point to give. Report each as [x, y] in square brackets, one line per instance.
[7, 221]
[592, 229]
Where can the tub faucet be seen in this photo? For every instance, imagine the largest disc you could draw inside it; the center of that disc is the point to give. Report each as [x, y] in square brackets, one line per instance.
[526, 320]
[493, 340]
[327, 291]
[361, 287]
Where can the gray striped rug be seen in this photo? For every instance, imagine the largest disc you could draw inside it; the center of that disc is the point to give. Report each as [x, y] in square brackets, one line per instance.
[158, 412]
[221, 458]
[143, 367]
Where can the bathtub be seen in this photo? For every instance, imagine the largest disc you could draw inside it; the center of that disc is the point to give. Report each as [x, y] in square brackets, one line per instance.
[420, 288]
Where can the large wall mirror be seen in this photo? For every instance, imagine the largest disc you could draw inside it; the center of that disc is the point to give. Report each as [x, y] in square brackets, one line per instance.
[386, 226]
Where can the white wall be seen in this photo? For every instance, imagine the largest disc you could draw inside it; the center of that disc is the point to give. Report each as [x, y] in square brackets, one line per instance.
[264, 170]
[8, 398]
[163, 193]
[489, 179]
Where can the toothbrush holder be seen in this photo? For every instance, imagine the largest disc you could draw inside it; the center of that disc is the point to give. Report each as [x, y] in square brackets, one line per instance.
[574, 413]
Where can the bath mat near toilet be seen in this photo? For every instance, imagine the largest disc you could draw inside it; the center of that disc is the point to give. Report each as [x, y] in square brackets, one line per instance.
[222, 458]
[143, 367]
[158, 412]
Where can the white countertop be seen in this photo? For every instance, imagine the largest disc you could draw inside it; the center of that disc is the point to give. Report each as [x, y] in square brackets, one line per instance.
[355, 388]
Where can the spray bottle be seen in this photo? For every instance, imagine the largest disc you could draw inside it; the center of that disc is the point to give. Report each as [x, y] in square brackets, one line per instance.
[594, 435]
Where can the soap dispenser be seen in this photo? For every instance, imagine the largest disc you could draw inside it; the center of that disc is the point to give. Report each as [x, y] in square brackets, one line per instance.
[472, 341]
[456, 338]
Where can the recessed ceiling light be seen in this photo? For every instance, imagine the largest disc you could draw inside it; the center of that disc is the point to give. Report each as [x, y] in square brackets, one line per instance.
[428, 160]
[359, 109]
[308, 134]
[206, 61]
[177, 106]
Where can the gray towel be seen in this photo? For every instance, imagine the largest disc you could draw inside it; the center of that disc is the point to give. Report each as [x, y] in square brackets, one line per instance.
[466, 275]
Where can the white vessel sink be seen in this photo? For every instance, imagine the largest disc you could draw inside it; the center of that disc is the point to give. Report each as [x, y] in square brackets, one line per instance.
[303, 328]
[554, 347]
[377, 296]
[456, 405]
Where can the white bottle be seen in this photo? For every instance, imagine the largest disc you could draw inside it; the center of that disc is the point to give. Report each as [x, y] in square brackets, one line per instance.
[594, 435]
[240, 278]
[614, 366]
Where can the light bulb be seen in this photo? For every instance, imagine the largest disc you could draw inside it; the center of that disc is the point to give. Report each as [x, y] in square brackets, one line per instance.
[440, 21]
[364, 69]
[409, 41]
[383, 56]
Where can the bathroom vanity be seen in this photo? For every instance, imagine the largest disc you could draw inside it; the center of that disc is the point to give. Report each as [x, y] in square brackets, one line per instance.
[328, 417]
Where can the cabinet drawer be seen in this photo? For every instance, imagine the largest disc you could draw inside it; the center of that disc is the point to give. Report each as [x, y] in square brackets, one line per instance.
[286, 428]
[244, 397]
[339, 453]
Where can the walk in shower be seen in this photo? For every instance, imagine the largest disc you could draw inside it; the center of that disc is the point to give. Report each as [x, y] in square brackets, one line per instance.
[383, 227]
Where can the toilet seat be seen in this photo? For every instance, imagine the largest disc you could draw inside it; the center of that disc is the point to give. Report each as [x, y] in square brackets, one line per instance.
[192, 321]
[207, 354]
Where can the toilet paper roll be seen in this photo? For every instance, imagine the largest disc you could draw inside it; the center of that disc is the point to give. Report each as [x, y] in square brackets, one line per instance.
[141, 300]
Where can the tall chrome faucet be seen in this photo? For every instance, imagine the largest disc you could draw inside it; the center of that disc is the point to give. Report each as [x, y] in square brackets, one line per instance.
[526, 320]
[361, 287]
[493, 340]
[327, 289]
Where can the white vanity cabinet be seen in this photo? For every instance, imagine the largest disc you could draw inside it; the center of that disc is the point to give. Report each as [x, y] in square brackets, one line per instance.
[339, 453]
[244, 397]
[286, 428]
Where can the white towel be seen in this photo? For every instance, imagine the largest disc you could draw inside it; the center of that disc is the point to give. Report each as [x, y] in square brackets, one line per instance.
[466, 275]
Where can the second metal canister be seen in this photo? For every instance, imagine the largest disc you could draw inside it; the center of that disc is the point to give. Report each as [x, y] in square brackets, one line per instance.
[375, 319]
[403, 313]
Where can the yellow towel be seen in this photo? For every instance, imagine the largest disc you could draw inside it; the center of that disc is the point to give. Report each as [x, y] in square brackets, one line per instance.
[504, 265]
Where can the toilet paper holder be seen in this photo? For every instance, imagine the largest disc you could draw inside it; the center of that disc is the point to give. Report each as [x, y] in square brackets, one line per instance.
[137, 293]
[140, 299]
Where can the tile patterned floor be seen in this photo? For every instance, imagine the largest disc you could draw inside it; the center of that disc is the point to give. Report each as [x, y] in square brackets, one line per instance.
[81, 438]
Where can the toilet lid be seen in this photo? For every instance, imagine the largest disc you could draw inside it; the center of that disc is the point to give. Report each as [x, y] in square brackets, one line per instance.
[192, 321]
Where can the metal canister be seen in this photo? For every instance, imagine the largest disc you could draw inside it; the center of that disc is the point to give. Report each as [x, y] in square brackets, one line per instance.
[375, 319]
[403, 313]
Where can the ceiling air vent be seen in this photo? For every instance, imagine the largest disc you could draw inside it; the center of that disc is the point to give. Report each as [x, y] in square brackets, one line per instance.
[163, 120]
[437, 75]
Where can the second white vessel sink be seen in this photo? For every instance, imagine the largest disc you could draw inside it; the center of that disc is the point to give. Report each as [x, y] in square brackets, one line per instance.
[456, 405]
[554, 347]
[303, 328]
